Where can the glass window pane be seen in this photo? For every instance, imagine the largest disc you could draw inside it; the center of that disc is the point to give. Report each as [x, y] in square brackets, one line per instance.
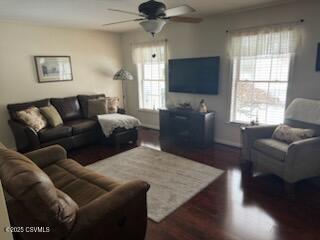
[261, 67]
[155, 102]
[152, 74]
[147, 103]
[147, 87]
[280, 68]
[260, 101]
[264, 68]
[247, 69]
[276, 108]
[155, 88]
[162, 71]
[162, 94]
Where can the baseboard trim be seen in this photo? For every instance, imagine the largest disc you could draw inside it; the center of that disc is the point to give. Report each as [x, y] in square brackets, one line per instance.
[155, 127]
[229, 143]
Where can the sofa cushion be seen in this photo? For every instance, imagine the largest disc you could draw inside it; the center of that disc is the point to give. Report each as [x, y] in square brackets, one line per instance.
[72, 178]
[272, 148]
[97, 107]
[82, 125]
[14, 108]
[49, 134]
[68, 108]
[52, 115]
[32, 188]
[83, 100]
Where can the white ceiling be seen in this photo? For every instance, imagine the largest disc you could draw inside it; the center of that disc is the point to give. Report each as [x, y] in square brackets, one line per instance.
[93, 13]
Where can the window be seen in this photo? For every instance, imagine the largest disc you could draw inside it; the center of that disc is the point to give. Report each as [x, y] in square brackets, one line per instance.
[261, 61]
[150, 59]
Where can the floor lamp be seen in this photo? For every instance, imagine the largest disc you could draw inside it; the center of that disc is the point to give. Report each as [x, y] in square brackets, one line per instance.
[123, 75]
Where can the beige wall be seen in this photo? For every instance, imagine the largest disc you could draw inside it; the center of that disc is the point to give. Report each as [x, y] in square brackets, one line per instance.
[210, 39]
[95, 58]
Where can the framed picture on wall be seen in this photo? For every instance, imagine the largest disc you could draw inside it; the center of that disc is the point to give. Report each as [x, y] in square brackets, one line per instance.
[53, 68]
[318, 59]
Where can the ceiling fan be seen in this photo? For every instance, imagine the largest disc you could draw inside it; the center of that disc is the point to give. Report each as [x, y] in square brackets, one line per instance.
[154, 15]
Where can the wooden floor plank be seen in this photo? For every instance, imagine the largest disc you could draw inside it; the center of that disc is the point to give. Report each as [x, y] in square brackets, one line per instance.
[230, 208]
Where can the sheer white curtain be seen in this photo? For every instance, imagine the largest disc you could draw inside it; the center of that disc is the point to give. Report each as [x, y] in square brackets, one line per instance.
[261, 60]
[150, 59]
[269, 40]
[143, 52]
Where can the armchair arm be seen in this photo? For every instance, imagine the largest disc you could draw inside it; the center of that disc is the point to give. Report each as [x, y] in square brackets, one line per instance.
[26, 137]
[111, 206]
[303, 160]
[48, 155]
[256, 132]
[253, 133]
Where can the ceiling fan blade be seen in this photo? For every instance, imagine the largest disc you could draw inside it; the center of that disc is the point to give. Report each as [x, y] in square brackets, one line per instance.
[186, 19]
[177, 11]
[132, 20]
[127, 12]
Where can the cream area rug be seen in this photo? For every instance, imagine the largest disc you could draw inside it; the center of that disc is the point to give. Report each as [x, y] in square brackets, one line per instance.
[173, 180]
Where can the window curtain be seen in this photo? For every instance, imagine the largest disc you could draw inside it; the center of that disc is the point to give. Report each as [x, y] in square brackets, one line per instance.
[264, 41]
[261, 60]
[149, 52]
[151, 60]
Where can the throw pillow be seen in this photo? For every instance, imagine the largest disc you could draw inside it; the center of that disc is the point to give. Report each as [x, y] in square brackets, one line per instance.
[113, 104]
[97, 107]
[32, 118]
[52, 115]
[289, 134]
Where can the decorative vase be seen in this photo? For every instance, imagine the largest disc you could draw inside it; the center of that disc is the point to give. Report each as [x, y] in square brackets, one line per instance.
[203, 107]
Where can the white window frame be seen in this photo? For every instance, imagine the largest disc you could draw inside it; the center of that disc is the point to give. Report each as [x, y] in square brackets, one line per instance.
[235, 63]
[142, 80]
[141, 77]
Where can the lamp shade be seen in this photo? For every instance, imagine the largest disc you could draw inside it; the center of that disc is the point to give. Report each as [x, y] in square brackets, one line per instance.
[153, 25]
[123, 75]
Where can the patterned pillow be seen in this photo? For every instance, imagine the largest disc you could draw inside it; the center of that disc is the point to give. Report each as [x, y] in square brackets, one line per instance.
[33, 118]
[113, 104]
[289, 134]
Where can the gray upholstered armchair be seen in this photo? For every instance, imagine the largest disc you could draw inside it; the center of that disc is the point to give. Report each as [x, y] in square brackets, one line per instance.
[292, 162]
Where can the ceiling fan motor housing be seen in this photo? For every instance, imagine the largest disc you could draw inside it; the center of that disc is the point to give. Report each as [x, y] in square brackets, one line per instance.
[153, 9]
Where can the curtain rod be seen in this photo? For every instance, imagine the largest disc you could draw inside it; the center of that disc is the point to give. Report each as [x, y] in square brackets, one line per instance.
[270, 25]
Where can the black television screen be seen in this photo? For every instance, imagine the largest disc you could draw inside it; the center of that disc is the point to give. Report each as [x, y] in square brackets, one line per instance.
[194, 75]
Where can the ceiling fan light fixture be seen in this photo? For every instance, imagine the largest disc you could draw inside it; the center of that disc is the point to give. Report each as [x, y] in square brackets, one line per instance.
[154, 15]
[153, 26]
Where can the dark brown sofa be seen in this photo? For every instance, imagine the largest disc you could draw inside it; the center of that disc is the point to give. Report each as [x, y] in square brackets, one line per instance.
[68, 201]
[76, 130]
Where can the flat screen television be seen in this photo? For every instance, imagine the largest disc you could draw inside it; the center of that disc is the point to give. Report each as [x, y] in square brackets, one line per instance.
[194, 75]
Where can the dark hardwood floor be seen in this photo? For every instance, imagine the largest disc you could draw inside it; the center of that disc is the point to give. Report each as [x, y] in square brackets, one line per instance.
[231, 207]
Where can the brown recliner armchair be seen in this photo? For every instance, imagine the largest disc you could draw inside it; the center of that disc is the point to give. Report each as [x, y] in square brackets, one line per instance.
[67, 201]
